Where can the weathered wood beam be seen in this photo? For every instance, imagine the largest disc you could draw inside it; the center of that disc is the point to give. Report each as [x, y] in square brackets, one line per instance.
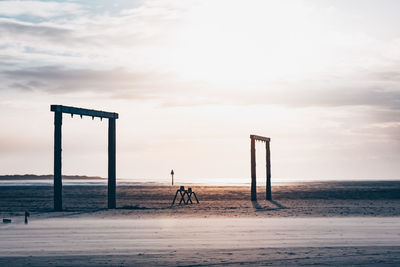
[268, 165]
[111, 164]
[57, 162]
[84, 112]
[260, 138]
[253, 169]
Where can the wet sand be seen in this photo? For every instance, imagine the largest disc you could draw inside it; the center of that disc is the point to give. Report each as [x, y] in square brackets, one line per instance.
[202, 241]
[330, 224]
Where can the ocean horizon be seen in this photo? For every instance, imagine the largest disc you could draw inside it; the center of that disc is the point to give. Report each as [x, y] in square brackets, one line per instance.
[178, 182]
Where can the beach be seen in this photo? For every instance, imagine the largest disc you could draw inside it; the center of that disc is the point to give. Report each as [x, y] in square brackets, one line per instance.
[202, 241]
[316, 199]
[317, 223]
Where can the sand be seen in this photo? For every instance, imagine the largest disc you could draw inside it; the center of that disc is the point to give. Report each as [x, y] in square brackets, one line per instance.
[202, 241]
[289, 200]
[328, 224]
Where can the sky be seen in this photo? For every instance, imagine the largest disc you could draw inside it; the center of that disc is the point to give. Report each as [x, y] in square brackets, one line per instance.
[191, 80]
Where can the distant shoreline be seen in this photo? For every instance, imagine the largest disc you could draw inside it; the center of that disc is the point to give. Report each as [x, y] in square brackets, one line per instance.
[46, 177]
[184, 181]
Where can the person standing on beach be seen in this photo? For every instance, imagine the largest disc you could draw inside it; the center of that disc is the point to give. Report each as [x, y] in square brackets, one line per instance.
[172, 176]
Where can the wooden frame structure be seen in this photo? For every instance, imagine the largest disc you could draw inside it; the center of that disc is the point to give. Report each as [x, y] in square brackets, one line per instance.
[111, 116]
[267, 140]
[189, 192]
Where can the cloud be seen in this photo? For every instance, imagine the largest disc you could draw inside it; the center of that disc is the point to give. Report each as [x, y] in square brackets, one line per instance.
[326, 97]
[172, 91]
[39, 9]
[102, 39]
[392, 76]
[14, 29]
[134, 55]
[118, 83]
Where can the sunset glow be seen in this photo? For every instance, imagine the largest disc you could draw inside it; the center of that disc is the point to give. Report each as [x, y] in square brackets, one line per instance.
[192, 80]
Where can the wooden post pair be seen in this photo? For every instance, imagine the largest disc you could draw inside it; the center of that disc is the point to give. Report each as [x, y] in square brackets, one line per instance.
[58, 117]
[267, 141]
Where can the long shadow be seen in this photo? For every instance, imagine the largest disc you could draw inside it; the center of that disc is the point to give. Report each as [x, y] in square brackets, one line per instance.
[137, 207]
[258, 207]
[73, 212]
[278, 205]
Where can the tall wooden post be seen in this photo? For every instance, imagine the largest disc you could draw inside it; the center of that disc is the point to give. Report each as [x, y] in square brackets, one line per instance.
[253, 170]
[57, 161]
[111, 164]
[268, 159]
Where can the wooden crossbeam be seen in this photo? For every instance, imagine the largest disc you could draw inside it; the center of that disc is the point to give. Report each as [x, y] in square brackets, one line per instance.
[84, 112]
[260, 138]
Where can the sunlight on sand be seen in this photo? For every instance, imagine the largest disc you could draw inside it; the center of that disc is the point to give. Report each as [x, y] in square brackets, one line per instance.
[80, 236]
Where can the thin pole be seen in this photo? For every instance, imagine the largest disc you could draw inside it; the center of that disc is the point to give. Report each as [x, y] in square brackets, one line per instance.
[57, 161]
[268, 159]
[253, 170]
[111, 164]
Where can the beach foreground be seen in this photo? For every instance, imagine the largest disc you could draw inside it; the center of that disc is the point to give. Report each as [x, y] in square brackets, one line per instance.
[202, 241]
[330, 224]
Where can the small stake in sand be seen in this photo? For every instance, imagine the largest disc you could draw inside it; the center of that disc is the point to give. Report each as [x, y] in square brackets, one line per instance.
[26, 217]
[172, 176]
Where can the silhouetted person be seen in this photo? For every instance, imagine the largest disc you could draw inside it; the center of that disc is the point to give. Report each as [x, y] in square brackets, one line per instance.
[172, 176]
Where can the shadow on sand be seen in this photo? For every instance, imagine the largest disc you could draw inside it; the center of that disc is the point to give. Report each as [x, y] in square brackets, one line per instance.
[67, 212]
[275, 206]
